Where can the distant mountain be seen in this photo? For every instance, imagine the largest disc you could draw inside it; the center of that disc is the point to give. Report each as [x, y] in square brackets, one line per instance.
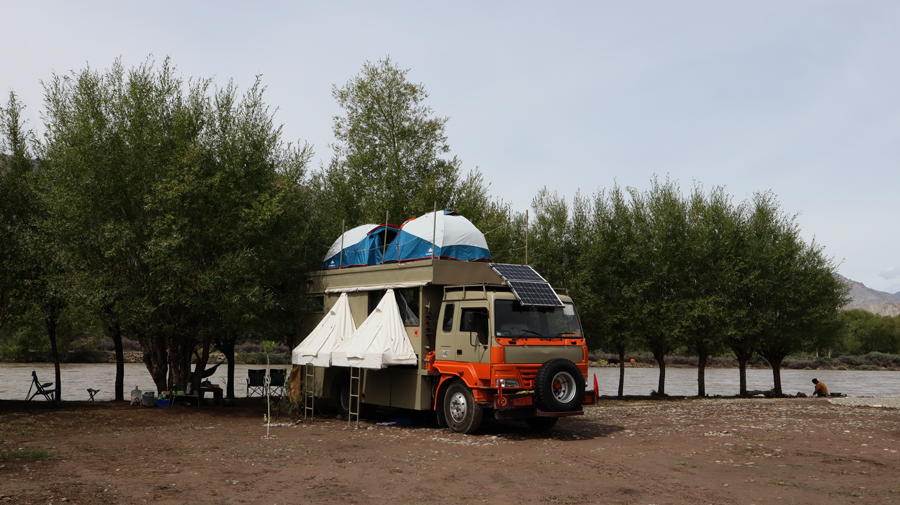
[871, 300]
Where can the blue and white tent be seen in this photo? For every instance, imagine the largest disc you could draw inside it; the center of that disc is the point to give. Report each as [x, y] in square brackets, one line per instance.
[453, 236]
[363, 245]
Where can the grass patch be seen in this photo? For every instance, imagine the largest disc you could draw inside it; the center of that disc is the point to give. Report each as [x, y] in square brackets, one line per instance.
[685, 463]
[27, 454]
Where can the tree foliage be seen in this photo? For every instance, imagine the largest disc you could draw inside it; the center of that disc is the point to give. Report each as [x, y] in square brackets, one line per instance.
[391, 160]
[17, 203]
[184, 213]
[664, 272]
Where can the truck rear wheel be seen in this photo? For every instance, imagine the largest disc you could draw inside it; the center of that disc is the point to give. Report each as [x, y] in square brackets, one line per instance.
[463, 415]
[559, 386]
[541, 423]
[340, 394]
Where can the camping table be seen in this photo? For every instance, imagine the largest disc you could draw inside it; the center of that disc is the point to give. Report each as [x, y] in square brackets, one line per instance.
[217, 394]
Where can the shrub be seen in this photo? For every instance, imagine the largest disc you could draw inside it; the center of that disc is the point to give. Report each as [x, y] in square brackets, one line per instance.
[881, 359]
[106, 344]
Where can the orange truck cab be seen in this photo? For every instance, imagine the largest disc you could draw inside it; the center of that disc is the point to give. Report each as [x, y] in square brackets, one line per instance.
[488, 342]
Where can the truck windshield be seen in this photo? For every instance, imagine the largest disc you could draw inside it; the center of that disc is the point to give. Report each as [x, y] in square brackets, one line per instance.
[512, 319]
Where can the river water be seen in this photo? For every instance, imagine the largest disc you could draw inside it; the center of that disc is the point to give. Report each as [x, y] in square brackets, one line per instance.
[15, 379]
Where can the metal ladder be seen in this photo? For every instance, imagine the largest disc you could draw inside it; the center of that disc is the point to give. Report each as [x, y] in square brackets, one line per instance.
[353, 411]
[309, 392]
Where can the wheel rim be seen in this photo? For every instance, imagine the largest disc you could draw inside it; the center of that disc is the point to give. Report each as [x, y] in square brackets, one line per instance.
[564, 387]
[458, 407]
[345, 397]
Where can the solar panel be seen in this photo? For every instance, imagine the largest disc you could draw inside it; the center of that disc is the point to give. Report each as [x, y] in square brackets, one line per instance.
[535, 293]
[528, 286]
[517, 272]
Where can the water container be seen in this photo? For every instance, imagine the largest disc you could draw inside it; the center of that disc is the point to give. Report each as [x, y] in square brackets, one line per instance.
[149, 399]
[136, 396]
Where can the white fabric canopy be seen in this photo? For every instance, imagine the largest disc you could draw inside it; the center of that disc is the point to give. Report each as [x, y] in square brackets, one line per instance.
[381, 340]
[316, 349]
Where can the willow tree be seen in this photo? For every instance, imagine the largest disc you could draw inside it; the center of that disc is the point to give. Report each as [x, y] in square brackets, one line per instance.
[16, 202]
[184, 211]
[608, 281]
[797, 293]
[392, 159]
[711, 254]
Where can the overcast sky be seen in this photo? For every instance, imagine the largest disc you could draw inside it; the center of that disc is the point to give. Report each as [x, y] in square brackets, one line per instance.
[801, 98]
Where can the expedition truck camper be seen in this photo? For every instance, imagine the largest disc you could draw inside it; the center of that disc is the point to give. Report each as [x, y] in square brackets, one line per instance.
[473, 339]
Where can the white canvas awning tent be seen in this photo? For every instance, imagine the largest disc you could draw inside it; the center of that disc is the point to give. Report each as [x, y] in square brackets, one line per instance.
[316, 349]
[380, 341]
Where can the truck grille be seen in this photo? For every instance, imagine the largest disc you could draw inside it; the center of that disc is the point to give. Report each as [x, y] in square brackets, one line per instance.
[528, 373]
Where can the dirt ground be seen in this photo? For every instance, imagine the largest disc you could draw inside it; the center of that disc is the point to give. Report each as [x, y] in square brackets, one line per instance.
[792, 451]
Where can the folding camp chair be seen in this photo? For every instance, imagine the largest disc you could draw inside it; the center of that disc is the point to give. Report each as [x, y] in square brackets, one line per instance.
[92, 392]
[256, 382]
[276, 384]
[41, 389]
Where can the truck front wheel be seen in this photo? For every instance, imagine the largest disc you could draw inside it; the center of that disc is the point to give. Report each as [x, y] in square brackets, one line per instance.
[462, 413]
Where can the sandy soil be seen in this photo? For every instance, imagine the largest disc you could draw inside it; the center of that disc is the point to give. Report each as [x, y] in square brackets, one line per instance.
[799, 451]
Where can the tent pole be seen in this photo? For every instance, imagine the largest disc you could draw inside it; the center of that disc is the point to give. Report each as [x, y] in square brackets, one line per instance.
[526, 236]
[434, 231]
[384, 241]
[343, 225]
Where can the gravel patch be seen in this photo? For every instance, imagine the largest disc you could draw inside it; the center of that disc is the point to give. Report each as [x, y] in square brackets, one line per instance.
[864, 401]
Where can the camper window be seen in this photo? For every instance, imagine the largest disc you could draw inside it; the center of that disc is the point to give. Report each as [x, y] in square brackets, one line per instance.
[475, 321]
[448, 318]
[408, 301]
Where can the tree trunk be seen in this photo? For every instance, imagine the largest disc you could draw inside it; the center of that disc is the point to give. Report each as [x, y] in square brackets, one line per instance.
[51, 322]
[743, 358]
[116, 332]
[775, 362]
[200, 367]
[701, 373]
[621, 372]
[661, 362]
[156, 359]
[226, 346]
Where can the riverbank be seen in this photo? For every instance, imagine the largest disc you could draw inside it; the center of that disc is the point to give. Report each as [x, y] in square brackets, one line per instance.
[801, 451]
[867, 362]
[872, 361]
[96, 356]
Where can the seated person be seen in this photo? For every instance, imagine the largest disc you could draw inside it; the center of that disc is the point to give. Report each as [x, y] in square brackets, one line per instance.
[821, 389]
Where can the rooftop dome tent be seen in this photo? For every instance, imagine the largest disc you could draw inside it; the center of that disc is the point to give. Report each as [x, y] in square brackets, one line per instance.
[363, 245]
[346, 243]
[380, 341]
[370, 250]
[453, 236]
[317, 347]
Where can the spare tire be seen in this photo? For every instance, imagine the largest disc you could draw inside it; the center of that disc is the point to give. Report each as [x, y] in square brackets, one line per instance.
[559, 386]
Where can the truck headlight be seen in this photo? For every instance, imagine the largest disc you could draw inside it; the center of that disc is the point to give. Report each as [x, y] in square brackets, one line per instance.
[508, 383]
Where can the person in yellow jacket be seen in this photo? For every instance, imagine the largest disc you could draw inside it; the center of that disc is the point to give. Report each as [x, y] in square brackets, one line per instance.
[821, 388]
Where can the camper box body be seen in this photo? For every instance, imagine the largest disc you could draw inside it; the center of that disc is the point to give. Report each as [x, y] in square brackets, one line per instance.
[442, 303]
